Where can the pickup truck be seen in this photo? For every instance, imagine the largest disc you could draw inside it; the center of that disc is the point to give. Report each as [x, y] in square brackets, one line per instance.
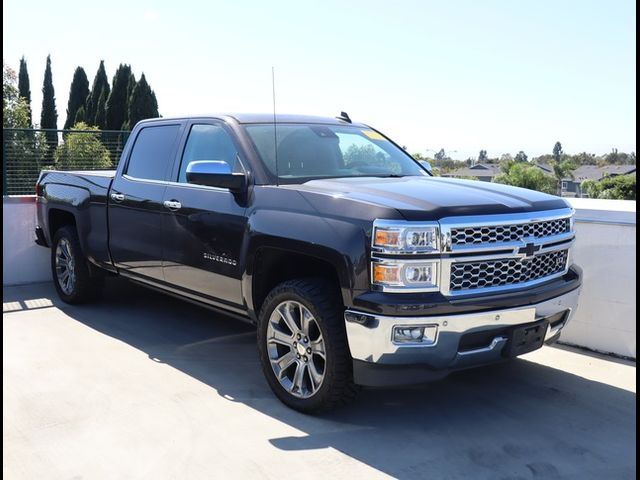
[357, 266]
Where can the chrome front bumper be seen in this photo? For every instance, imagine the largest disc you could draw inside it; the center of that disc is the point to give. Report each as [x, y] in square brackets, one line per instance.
[370, 336]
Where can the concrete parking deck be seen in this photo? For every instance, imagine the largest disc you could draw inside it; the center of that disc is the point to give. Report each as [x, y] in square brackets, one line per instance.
[141, 385]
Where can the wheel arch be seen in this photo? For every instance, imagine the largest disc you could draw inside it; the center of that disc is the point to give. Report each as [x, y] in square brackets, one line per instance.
[272, 265]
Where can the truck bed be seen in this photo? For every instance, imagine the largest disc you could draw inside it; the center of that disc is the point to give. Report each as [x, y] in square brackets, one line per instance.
[84, 194]
[99, 179]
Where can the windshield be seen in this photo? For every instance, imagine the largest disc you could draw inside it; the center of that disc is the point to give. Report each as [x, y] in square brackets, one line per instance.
[311, 151]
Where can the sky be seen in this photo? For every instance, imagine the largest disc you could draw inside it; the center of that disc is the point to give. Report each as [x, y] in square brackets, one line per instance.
[462, 75]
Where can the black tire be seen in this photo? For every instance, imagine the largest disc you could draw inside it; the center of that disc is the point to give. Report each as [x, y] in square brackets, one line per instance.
[86, 287]
[337, 387]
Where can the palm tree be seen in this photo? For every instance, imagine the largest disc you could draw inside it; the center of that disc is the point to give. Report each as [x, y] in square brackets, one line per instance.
[561, 171]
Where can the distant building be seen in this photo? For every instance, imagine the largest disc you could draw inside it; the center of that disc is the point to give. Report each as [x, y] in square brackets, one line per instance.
[482, 171]
[571, 187]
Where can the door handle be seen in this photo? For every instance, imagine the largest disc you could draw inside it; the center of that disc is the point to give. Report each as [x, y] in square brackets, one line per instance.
[118, 197]
[172, 204]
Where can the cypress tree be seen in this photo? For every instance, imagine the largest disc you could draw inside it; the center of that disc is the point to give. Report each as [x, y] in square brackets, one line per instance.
[142, 103]
[127, 125]
[78, 94]
[24, 89]
[130, 86]
[154, 103]
[80, 116]
[100, 84]
[116, 112]
[49, 114]
[101, 111]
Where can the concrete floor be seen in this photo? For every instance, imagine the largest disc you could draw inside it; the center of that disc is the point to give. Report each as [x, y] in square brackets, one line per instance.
[141, 385]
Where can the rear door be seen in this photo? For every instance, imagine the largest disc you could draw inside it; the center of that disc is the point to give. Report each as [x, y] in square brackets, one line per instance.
[205, 226]
[135, 204]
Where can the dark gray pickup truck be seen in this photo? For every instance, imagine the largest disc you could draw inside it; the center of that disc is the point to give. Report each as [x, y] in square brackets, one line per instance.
[357, 266]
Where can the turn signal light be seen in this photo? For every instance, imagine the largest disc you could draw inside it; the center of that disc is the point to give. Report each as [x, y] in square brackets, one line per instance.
[386, 274]
[387, 238]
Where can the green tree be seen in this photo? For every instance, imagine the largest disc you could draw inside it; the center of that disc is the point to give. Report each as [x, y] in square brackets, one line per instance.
[521, 157]
[23, 151]
[526, 176]
[557, 152]
[100, 119]
[619, 187]
[49, 114]
[441, 155]
[130, 87]
[142, 103]
[15, 109]
[80, 115]
[24, 88]
[584, 158]
[78, 94]
[445, 165]
[117, 102]
[482, 156]
[619, 158]
[100, 84]
[562, 171]
[82, 150]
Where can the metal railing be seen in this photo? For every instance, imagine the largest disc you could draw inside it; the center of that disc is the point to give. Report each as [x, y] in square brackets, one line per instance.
[25, 152]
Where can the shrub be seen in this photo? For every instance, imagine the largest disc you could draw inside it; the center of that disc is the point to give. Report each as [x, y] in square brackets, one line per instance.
[526, 176]
[620, 187]
[82, 150]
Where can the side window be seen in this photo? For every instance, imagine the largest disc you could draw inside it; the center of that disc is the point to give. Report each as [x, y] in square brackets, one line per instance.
[208, 142]
[151, 153]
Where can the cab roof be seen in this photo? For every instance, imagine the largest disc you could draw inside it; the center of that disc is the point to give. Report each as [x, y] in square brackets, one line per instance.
[245, 118]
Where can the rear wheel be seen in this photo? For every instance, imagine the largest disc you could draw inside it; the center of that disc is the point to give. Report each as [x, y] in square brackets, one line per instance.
[303, 346]
[71, 272]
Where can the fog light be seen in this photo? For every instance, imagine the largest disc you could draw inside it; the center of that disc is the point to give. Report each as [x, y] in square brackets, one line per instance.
[415, 334]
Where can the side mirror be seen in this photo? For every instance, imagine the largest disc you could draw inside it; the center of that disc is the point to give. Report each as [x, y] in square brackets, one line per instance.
[427, 166]
[216, 173]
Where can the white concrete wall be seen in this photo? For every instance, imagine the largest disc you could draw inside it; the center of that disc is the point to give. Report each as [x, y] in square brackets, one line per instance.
[22, 260]
[605, 248]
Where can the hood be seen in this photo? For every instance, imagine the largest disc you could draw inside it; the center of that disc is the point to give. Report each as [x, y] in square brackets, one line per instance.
[433, 198]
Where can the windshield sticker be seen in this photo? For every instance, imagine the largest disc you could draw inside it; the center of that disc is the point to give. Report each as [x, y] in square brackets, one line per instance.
[373, 135]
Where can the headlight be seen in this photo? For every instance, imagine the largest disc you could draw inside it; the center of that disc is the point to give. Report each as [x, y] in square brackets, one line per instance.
[409, 276]
[398, 237]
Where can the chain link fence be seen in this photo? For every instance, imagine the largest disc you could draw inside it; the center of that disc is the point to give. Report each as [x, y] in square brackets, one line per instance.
[25, 152]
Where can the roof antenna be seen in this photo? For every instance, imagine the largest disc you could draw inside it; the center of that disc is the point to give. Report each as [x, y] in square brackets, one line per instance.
[344, 116]
[275, 133]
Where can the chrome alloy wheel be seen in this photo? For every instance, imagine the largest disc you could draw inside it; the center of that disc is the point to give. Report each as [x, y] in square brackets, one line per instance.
[65, 268]
[296, 349]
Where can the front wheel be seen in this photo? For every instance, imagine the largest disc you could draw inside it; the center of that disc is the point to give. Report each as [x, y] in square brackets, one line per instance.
[303, 346]
[71, 274]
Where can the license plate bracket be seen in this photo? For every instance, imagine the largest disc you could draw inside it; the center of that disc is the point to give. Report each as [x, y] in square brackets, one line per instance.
[526, 338]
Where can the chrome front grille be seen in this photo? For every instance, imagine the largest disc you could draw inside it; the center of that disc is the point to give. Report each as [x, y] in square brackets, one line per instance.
[492, 234]
[507, 271]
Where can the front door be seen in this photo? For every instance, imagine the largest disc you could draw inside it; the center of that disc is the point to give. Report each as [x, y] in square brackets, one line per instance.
[135, 208]
[205, 226]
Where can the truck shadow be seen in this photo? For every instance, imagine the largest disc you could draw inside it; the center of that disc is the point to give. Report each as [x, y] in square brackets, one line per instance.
[514, 420]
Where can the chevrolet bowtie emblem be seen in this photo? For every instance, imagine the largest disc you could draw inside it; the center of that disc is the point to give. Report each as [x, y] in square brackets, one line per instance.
[529, 250]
